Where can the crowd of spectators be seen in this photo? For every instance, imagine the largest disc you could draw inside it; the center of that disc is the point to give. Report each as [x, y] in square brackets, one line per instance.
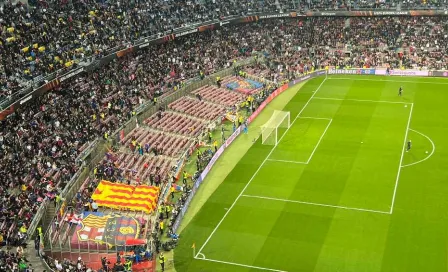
[40, 144]
[14, 261]
[41, 38]
[67, 265]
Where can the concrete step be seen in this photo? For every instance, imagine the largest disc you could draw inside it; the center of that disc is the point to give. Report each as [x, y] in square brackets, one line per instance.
[33, 259]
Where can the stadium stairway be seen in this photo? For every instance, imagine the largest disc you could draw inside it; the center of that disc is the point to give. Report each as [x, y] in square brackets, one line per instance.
[347, 23]
[51, 210]
[31, 256]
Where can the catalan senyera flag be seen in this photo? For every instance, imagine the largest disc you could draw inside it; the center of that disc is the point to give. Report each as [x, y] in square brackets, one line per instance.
[118, 196]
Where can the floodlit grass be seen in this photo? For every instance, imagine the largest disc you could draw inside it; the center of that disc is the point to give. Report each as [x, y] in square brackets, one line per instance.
[338, 192]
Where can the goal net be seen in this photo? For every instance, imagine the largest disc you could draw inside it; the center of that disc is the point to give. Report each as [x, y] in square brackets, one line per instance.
[269, 131]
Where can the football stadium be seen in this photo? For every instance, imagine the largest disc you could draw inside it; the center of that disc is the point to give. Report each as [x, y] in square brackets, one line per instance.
[209, 136]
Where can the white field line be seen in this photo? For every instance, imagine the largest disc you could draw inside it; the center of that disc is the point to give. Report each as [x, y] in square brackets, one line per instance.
[386, 80]
[243, 265]
[401, 160]
[256, 172]
[363, 100]
[320, 139]
[317, 118]
[297, 162]
[316, 204]
[200, 256]
[432, 151]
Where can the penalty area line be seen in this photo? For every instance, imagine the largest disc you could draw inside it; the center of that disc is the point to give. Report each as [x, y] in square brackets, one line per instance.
[296, 162]
[243, 265]
[318, 142]
[362, 100]
[397, 180]
[317, 204]
[424, 159]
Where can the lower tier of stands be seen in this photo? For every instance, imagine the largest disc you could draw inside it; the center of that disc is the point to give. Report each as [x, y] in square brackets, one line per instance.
[198, 108]
[156, 141]
[219, 95]
[176, 123]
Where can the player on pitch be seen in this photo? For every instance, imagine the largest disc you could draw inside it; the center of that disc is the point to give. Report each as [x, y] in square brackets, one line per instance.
[400, 91]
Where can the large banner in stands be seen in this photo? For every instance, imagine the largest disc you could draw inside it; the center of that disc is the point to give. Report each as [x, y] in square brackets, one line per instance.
[383, 72]
[356, 71]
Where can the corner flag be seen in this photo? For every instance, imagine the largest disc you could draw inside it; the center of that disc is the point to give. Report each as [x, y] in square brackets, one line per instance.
[194, 245]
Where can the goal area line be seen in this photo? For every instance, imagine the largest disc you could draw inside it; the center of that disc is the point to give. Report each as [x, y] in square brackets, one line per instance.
[315, 147]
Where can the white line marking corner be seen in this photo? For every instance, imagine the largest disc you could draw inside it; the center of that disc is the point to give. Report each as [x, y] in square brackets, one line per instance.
[243, 265]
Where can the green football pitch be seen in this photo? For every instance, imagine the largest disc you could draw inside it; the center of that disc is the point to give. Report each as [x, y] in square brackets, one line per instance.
[339, 192]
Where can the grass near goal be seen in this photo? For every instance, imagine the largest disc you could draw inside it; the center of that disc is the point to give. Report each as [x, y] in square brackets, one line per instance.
[269, 131]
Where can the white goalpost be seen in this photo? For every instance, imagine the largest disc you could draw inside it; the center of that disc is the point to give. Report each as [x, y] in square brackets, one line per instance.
[269, 131]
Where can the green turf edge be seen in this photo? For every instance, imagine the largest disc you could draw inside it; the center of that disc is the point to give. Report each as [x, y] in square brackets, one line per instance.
[231, 156]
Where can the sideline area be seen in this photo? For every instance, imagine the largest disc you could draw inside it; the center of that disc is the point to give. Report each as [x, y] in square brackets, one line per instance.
[229, 159]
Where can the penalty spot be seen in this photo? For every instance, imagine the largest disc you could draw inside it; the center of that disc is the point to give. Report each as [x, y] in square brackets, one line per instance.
[405, 106]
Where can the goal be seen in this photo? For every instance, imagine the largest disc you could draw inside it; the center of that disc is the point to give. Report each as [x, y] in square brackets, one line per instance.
[269, 131]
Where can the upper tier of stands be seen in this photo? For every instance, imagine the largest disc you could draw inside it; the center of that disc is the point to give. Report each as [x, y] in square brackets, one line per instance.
[47, 36]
